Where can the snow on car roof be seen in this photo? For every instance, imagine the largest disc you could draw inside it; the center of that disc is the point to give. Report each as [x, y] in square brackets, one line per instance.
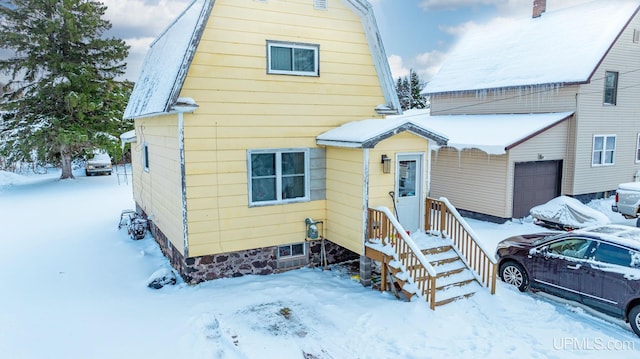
[625, 235]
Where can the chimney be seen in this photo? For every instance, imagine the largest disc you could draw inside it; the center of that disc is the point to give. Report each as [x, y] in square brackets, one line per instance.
[539, 6]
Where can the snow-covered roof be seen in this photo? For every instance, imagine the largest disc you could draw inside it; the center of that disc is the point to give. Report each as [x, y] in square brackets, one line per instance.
[493, 134]
[559, 47]
[165, 66]
[367, 133]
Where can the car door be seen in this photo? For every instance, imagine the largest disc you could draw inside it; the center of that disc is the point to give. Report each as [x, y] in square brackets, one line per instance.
[557, 267]
[607, 275]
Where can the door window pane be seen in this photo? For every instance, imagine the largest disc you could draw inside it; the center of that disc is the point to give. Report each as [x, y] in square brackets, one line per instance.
[407, 178]
[613, 255]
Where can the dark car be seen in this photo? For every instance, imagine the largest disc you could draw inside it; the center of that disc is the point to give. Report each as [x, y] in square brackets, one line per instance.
[596, 266]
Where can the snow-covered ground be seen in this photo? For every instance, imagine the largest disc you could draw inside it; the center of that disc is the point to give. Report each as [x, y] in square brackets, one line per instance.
[74, 286]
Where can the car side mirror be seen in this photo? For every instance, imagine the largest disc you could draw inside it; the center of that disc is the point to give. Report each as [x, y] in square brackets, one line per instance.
[541, 251]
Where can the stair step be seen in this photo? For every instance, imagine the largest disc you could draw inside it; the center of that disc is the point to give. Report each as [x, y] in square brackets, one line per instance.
[442, 257]
[458, 277]
[449, 268]
[436, 250]
[453, 293]
[430, 241]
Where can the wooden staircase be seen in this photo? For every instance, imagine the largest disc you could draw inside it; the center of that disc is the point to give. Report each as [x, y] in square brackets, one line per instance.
[432, 266]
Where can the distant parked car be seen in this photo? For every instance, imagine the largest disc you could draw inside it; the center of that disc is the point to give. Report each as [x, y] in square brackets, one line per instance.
[597, 266]
[100, 163]
[627, 201]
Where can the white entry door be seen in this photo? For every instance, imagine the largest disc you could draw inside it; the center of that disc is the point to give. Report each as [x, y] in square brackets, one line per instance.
[408, 192]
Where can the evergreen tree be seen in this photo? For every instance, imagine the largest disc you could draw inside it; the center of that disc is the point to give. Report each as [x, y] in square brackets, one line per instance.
[409, 89]
[62, 98]
[404, 93]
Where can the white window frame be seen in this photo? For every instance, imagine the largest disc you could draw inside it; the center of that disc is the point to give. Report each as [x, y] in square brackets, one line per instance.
[291, 255]
[294, 45]
[278, 175]
[603, 151]
[145, 157]
[614, 101]
[638, 149]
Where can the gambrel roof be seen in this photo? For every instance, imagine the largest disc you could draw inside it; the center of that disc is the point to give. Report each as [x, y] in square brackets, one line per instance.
[166, 64]
[557, 48]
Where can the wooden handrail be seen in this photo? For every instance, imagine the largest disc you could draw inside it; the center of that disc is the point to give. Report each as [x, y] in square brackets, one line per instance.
[382, 227]
[441, 216]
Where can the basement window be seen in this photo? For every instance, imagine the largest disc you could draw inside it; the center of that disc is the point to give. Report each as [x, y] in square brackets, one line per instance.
[286, 58]
[291, 250]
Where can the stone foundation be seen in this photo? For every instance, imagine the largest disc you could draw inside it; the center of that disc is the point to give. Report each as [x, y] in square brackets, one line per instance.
[260, 261]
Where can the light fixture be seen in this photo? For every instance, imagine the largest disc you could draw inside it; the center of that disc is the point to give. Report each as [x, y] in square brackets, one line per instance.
[386, 164]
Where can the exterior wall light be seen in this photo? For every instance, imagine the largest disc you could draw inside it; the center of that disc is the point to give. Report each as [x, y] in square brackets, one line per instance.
[386, 164]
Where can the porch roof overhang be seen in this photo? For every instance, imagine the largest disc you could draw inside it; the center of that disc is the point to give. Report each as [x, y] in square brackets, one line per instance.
[368, 133]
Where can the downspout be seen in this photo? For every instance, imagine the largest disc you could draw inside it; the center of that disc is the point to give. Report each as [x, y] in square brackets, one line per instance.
[365, 195]
[183, 105]
[183, 185]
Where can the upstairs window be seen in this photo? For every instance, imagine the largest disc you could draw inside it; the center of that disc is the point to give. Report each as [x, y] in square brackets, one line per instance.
[287, 58]
[278, 176]
[604, 150]
[610, 88]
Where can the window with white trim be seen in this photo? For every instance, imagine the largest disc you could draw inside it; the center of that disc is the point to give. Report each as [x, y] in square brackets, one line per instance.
[278, 176]
[604, 150]
[287, 58]
[291, 250]
[610, 88]
[145, 157]
[638, 149]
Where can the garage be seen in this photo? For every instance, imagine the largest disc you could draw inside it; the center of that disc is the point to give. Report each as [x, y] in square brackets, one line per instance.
[535, 183]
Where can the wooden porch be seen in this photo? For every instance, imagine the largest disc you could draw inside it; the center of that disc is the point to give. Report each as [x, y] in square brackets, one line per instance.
[448, 264]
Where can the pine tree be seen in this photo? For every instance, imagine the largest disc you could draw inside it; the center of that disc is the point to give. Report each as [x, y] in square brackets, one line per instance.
[409, 89]
[62, 98]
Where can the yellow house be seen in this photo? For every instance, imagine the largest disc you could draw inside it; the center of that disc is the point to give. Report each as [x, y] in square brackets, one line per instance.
[250, 134]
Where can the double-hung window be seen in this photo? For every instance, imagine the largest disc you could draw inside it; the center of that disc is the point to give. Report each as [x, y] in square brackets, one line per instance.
[278, 176]
[286, 58]
[610, 88]
[604, 150]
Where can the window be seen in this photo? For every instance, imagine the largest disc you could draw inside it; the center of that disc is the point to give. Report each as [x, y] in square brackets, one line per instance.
[610, 88]
[572, 247]
[604, 149]
[638, 149]
[291, 250]
[292, 58]
[145, 157]
[278, 176]
[613, 255]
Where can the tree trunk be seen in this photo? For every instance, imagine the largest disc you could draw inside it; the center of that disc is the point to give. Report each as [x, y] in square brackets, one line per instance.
[65, 162]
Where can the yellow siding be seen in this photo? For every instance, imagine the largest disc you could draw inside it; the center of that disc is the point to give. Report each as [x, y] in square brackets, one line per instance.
[381, 183]
[158, 190]
[241, 107]
[345, 180]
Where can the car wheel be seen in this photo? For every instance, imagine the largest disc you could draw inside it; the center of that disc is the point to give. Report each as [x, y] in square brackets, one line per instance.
[634, 319]
[513, 273]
